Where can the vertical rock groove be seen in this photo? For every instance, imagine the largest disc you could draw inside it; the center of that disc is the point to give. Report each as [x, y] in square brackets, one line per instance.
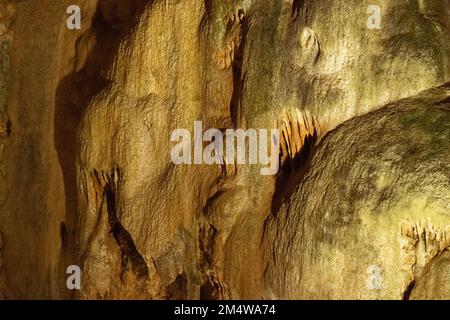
[123, 237]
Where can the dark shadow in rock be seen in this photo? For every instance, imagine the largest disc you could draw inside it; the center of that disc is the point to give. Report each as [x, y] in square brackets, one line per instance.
[177, 290]
[291, 173]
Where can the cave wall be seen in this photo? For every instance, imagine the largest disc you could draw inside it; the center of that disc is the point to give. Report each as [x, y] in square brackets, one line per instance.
[85, 122]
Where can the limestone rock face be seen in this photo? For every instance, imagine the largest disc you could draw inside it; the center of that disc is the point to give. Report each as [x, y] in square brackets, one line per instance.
[359, 208]
[376, 224]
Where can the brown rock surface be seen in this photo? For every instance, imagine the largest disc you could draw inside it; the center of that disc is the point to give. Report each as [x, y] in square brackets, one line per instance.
[86, 176]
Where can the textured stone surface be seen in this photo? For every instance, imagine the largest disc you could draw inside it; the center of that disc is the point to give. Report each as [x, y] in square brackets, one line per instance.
[86, 176]
[381, 197]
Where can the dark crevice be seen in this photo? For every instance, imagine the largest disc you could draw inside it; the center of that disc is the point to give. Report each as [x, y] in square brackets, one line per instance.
[208, 8]
[291, 172]
[238, 76]
[409, 290]
[445, 102]
[124, 240]
[206, 244]
[211, 289]
[302, 11]
[63, 233]
[296, 8]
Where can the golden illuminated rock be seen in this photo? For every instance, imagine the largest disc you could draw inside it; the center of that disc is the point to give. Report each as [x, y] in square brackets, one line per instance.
[358, 209]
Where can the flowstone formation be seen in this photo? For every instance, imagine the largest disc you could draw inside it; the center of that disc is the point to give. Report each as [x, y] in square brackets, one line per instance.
[359, 207]
[381, 201]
